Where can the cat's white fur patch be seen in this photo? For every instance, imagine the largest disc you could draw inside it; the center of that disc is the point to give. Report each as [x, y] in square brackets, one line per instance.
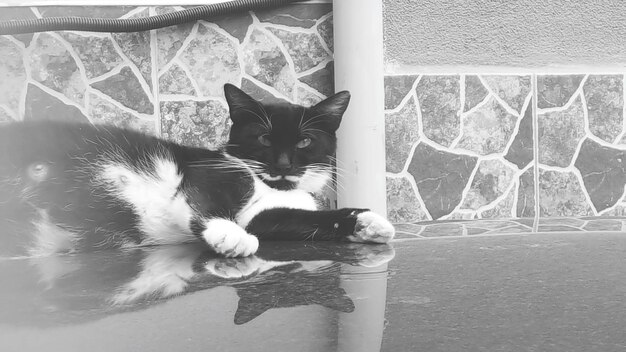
[163, 211]
[50, 238]
[229, 239]
[265, 197]
[371, 227]
[313, 181]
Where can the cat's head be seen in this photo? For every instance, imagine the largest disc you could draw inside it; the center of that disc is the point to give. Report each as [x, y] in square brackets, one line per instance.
[291, 146]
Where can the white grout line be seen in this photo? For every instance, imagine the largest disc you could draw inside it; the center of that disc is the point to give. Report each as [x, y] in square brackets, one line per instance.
[535, 117]
[497, 97]
[190, 37]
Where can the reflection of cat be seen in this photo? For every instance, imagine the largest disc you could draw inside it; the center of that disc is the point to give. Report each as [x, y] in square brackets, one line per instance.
[58, 290]
[100, 186]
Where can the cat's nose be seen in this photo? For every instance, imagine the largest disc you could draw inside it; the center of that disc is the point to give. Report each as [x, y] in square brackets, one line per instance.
[283, 163]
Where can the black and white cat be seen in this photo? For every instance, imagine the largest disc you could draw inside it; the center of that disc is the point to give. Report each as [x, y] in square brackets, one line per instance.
[102, 186]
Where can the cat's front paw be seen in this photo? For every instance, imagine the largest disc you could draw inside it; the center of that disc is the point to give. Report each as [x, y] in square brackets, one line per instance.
[229, 239]
[371, 227]
[370, 256]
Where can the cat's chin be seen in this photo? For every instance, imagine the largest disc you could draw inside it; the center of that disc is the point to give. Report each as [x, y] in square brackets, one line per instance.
[281, 184]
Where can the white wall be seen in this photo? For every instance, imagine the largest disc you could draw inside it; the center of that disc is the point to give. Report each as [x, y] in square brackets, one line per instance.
[513, 33]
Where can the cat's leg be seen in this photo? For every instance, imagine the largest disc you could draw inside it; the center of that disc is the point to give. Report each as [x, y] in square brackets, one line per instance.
[354, 225]
[225, 237]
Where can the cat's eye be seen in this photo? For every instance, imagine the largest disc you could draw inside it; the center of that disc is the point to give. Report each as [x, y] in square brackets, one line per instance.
[265, 141]
[304, 143]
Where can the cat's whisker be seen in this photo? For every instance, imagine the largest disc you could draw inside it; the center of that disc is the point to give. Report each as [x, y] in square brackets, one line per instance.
[313, 120]
[302, 118]
[265, 120]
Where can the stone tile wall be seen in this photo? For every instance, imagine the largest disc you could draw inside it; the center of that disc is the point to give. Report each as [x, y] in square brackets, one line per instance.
[463, 147]
[167, 81]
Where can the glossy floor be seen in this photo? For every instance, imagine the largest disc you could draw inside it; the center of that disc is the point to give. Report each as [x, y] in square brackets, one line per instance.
[534, 292]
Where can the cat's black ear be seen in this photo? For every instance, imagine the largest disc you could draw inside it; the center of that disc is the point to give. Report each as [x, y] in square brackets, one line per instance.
[332, 109]
[238, 101]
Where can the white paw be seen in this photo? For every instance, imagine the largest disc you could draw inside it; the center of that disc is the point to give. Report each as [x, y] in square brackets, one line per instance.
[371, 227]
[370, 256]
[229, 239]
[230, 268]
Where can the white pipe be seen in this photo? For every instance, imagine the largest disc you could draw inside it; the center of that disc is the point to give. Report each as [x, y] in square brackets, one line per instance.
[358, 42]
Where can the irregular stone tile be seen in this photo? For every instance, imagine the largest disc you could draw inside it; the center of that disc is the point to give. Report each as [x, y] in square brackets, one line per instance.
[511, 230]
[559, 134]
[487, 129]
[97, 54]
[556, 90]
[12, 74]
[618, 211]
[402, 203]
[306, 98]
[325, 29]
[175, 81]
[605, 105]
[526, 195]
[125, 88]
[409, 229]
[396, 88]
[475, 92]
[440, 102]
[603, 171]
[401, 133]
[440, 177]
[491, 180]
[557, 228]
[603, 225]
[18, 13]
[170, 39]
[493, 224]
[322, 80]
[571, 222]
[560, 194]
[161, 10]
[85, 11]
[521, 150]
[236, 25]
[512, 89]
[266, 62]
[212, 61]
[202, 124]
[460, 215]
[305, 49]
[106, 113]
[42, 106]
[136, 46]
[473, 231]
[259, 93]
[297, 15]
[443, 229]
[503, 210]
[525, 222]
[53, 66]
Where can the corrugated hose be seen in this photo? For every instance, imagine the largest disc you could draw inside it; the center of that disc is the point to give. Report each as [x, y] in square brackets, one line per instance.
[88, 24]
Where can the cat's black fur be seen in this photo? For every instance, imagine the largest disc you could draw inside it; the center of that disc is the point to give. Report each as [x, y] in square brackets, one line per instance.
[102, 186]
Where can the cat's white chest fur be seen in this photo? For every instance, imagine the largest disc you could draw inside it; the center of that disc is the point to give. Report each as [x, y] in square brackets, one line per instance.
[265, 197]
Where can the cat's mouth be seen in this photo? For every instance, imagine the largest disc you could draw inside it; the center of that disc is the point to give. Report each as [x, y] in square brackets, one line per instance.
[281, 182]
[290, 178]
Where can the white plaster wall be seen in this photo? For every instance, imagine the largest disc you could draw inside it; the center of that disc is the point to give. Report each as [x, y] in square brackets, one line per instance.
[509, 33]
